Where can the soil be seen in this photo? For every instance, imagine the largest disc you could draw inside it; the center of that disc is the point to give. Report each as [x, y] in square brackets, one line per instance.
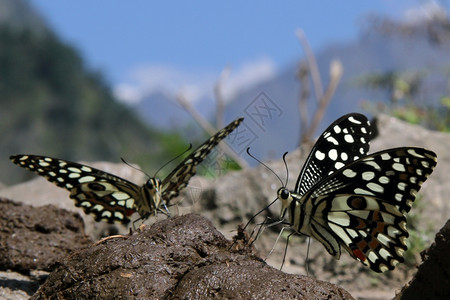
[183, 257]
[432, 280]
[36, 238]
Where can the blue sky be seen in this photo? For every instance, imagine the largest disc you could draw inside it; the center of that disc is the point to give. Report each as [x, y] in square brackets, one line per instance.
[142, 45]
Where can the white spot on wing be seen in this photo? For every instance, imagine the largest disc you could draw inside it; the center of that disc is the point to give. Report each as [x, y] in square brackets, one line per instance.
[320, 155]
[338, 165]
[353, 120]
[86, 179]
[120, 196]
[349, 139]
[368, 175]
[333, 154]
[399, 167]
[86, 169]
[344, 156]
[349, 173]
[74, 175]
[332, 140]
[375, 187]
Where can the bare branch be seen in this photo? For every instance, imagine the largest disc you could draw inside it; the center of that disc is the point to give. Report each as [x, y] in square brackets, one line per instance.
[313, 68]
[336, 70]
[219, 97]
[181, 99]
[302, 76]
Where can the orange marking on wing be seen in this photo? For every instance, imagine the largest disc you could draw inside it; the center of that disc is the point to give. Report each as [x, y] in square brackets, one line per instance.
[362, 244]
[374, 243]
[361, 224]
[358, 253]
[376, 216]
[379, 228]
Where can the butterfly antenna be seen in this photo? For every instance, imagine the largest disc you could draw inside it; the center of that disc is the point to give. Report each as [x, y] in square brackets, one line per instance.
[136, 168]
[252, 156]
[287, 169]
[176, 157]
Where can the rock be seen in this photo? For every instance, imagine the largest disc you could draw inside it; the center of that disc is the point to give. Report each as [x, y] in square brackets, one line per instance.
[435, 207]
[432, 280]
[230, 205]
[237, 196]
[183, 257]
[32, 240]
[39, 191]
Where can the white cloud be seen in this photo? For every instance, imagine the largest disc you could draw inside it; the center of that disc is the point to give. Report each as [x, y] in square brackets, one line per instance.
[148, 79]
[247, 75]
[427, 11]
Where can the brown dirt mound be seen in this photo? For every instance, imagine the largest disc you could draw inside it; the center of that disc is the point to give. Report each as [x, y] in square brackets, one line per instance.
[179, 258]
[35, 238]
[432, 280]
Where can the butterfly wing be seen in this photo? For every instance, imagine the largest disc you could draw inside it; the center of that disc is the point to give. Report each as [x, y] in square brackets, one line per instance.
[103, 195]
[362, 206]
[180, 176]
[344, 141]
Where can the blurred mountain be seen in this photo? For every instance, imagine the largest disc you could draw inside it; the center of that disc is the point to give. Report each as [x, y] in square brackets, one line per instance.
[19, 15]
[51, 104]
[161, 111]
[271, 108]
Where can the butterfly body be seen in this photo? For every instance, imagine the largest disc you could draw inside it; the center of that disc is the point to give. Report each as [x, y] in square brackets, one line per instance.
[113, 199]
[349, 200]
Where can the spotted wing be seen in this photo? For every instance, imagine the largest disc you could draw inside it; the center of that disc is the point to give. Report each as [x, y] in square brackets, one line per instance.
[103, 195]
[362, 206]
[180, 176]
[344, 141]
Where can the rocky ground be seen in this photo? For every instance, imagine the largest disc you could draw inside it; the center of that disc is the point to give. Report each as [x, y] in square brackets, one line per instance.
[168, 258]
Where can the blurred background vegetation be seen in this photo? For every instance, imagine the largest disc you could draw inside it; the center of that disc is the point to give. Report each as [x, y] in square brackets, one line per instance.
[51, 104]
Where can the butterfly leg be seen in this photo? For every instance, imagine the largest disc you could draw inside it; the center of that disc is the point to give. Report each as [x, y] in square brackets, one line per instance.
[286, 247]
[165, 210]
[307, 257]
[276, 242]
[262, 226]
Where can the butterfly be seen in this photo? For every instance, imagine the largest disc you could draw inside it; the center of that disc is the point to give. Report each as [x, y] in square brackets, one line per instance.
[111, 198]
[348, 199]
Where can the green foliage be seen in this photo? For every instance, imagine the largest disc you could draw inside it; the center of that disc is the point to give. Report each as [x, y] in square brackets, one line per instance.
[419, 238]
[406, 101]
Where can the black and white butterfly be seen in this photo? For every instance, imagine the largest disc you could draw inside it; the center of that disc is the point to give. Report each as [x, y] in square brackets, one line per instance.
[114, 199]
[347, 199]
